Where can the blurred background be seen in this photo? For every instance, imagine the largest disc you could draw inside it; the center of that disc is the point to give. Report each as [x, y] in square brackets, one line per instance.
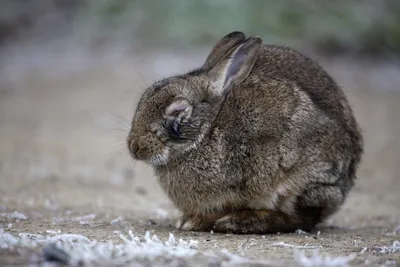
[71, 72]
[369, 27]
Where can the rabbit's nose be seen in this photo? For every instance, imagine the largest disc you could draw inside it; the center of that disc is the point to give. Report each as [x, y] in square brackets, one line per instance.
[134, 147]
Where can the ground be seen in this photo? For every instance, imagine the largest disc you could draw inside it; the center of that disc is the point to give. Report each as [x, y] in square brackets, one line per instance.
[64, 165]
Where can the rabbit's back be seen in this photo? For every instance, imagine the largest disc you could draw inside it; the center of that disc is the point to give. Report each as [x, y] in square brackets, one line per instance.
[285, 64]
[289, 106]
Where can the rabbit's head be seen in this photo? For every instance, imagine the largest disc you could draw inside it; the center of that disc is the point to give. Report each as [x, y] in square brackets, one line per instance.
[174, 114]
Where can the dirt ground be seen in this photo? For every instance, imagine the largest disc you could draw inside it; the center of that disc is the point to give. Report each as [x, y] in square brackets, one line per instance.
[63, 155]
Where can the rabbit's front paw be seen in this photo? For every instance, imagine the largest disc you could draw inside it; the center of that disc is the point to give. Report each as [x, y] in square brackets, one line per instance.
[192, 223]
[185, 223]
[202, 222]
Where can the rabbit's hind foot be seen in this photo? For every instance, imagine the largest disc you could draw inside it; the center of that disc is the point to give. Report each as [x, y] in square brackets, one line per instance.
[259, 222]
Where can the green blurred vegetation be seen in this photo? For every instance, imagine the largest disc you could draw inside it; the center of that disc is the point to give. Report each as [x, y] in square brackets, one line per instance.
[367, 27]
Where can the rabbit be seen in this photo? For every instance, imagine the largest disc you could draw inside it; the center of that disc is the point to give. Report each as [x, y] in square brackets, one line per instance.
[259, 139]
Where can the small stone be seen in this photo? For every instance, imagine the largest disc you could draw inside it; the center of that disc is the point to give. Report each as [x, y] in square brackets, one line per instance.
[52, 253]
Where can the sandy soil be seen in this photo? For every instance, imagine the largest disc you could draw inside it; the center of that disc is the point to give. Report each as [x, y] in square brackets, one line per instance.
[62, 155]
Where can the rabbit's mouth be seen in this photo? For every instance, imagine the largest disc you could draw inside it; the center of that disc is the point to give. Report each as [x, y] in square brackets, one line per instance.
[160, 159]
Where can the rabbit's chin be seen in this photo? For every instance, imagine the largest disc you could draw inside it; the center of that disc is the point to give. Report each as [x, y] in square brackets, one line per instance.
[161, 158]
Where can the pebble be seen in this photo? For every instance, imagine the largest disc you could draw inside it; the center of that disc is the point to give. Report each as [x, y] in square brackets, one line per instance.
[52, 253]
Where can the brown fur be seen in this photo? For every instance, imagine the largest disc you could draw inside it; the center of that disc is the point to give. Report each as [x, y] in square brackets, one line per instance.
[260, 139]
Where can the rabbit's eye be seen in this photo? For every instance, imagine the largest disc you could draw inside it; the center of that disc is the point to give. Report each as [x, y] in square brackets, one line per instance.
[173, 127]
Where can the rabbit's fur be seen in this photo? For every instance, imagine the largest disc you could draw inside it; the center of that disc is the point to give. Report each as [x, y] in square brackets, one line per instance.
[260, 139]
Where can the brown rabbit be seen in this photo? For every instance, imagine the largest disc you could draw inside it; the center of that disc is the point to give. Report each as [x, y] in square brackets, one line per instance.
[260, 139]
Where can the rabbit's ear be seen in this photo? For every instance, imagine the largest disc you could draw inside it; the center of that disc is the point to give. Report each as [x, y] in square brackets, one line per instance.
[235, 66]
[222, 48]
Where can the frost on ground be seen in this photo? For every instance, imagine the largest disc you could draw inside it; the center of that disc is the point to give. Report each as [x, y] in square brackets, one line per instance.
[397, 230]
[14, 216]
[317, 260]
[86, 219]
[395, 247]
[283, 244]
[77, 249]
